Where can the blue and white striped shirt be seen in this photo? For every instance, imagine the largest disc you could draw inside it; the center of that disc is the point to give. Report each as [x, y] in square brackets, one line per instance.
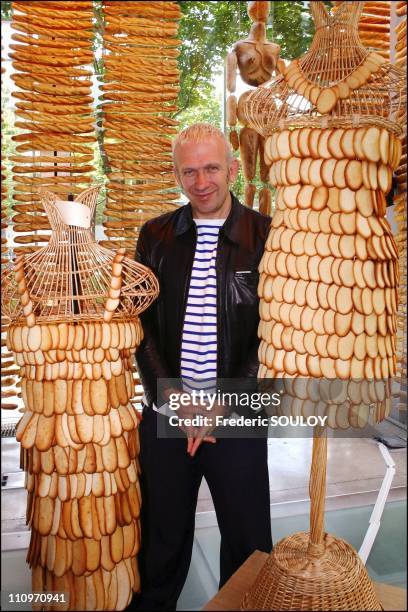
[199, 341]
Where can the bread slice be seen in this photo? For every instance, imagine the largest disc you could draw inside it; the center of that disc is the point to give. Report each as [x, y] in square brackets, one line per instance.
[335, 228]
[371, 144]
[347, 200]
[339, 178]
[304, 170]
[294, 142]
[315, 177]
[347, 143]
[304, 197]
[346, 272]
[282, 145]
[344, 301]
[354, 174]
[292, 171]
[313, 143]
[348, 223]
[343, 90]
[358, 142]
[322, 146]
[334, 141]
[384, 146]
[326, 101]
[322, 245]
[327, 172]
[320, 197]
[364, 201]
[303, 142]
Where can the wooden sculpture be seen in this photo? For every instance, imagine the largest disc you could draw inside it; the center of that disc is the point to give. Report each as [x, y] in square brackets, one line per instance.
[256, 59]
[329, 275]
[74, 309]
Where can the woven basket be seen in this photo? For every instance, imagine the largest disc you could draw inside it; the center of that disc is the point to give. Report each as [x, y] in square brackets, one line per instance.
[313, 570]
[293, 578]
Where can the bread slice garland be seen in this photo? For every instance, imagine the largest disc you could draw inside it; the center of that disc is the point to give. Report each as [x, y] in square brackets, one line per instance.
[329, 274]
[326, 98]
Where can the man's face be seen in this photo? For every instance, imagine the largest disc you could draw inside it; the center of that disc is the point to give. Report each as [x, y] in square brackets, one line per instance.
[203, 173]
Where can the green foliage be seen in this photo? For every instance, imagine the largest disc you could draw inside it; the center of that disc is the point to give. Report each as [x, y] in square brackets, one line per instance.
[8, 146]
[209, 108]
[6, 10]
[208, 31]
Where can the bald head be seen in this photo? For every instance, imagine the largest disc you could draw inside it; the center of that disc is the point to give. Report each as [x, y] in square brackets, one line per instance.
[199, 133]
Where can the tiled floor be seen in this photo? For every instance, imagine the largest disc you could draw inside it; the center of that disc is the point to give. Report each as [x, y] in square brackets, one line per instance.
[355, 472]
[386, 563]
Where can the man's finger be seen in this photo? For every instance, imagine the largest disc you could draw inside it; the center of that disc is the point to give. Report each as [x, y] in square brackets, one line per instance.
[196, 444]
[190, 442]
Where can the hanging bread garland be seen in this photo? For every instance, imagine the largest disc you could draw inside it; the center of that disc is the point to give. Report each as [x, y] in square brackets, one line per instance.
[374, 26]
[400, 204]
[8, 366]
[75, 327]
[140, 88]
[51, 55]
[329, 275]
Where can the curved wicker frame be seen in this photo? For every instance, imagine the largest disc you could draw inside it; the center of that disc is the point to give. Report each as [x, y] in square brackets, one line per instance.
[71, 278]
[335, 55]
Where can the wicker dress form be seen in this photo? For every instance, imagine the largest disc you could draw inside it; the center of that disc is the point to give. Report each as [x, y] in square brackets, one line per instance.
[329, 275]
[74, 309]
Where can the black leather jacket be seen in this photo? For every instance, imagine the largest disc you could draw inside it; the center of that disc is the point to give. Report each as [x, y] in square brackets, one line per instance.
[167, 245]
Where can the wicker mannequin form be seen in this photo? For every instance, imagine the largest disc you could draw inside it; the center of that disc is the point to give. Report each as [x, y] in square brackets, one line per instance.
[329, 275]
[364, 88]
[316, 570]
[72, 277]
[74, 329]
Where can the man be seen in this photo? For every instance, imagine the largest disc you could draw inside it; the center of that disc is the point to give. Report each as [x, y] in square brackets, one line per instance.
[203, 325]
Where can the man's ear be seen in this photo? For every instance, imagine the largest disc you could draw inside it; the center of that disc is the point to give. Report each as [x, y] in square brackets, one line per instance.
[233, 170]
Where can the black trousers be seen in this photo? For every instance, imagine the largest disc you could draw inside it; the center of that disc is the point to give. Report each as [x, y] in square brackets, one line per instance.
[236, 471]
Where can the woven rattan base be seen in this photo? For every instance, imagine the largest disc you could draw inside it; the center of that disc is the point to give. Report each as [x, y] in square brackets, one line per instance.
[293, 579]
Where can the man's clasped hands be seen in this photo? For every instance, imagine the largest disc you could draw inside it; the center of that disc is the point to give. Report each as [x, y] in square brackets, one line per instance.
[199, 429]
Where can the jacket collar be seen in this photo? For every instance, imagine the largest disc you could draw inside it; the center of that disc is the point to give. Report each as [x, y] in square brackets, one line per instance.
[184, 220]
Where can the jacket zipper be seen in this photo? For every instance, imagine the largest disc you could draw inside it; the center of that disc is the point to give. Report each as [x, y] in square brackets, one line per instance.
[186, 290]
[218, 272]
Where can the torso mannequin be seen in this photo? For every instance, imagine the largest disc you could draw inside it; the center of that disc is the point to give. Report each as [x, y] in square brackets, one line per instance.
[74, 328]
[330, 273]
[256, 56]
[352, 83]
[256, 59]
